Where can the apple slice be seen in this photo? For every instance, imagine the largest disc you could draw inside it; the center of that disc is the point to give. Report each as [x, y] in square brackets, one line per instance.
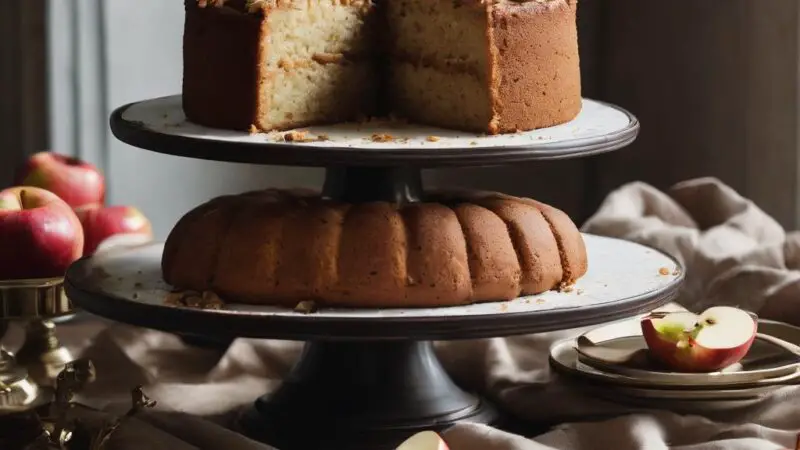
[424, 440]
[687, 342]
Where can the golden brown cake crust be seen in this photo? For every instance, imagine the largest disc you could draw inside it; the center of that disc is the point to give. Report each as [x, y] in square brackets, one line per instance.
[535, 77]
[277, 247]
[221, 59]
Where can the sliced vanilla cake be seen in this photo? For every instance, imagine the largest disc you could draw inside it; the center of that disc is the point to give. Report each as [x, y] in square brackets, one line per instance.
[493, 66]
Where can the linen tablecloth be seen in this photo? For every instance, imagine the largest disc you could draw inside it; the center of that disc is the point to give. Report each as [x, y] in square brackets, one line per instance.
[733, 253]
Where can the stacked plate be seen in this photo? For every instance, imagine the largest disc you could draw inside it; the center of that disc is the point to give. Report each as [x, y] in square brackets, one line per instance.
[612, 362]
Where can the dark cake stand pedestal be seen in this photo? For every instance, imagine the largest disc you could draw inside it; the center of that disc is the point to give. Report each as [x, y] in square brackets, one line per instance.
[367, 378]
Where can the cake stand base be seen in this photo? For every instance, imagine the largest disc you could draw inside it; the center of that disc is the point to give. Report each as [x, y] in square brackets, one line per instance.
[361, 395]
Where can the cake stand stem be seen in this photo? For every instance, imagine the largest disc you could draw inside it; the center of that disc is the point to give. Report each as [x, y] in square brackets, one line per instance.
[361, 395]
[368, 184]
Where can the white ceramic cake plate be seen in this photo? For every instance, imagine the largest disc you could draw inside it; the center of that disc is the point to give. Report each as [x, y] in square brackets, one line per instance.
[624, 279]
[160, 125]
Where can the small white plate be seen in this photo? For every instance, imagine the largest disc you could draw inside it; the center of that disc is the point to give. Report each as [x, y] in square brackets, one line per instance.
[769, 357]
[765, 360]
[681, 406]
[565, 359]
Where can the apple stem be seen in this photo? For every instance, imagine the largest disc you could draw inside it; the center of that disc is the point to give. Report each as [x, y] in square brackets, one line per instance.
[23, 198]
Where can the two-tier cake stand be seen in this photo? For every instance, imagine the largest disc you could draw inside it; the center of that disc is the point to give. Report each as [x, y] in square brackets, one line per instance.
[368, 378]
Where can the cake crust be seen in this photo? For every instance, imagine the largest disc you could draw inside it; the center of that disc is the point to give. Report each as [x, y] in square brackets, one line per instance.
[221, 60]
[277, 247]
[535, 69]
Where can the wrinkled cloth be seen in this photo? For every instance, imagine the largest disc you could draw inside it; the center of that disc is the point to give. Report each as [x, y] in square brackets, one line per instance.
[732, 252]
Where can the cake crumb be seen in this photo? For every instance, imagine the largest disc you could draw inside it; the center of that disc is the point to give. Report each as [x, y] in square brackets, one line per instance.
[579, 291]
[663, 271]
[306, 307]
[194, 299]
[300, 136]
[382, 137]
[676, 272]
[297, 136]
[564, 287]
[254, 129]
[327, 58]
[432, 138]
[473, 143]
[504, 307]
[539, 301]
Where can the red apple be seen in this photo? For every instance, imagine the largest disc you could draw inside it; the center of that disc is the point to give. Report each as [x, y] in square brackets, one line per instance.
[102, 222]
[710, 341]
[77, 182]
[40, 235]
[425, 440]
[123, 240]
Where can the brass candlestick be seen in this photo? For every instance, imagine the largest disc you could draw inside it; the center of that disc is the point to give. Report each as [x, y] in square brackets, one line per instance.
[42, 354]
[41, 357]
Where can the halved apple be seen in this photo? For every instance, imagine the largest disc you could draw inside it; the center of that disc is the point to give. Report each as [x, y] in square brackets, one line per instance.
[688, 342]
[424, 440]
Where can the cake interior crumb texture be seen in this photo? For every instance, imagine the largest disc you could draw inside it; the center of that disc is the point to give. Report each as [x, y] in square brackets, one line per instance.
[439, 69]
[318, 64]
[486, 66]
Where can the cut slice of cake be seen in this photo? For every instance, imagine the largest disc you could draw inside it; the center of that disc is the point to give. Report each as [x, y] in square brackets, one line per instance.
[279, 64]
[487, 66]
[495, 66]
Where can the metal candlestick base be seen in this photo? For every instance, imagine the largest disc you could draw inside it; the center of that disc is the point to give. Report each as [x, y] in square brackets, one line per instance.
[42, 354]
[41, 357]
[19, 394]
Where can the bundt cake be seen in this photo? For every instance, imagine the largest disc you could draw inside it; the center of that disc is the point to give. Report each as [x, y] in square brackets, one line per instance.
[487, 66]
[283, 247]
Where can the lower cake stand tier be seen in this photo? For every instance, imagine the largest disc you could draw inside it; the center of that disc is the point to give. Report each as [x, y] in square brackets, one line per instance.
[369, 378]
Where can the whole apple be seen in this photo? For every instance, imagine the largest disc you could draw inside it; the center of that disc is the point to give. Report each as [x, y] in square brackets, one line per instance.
[77, 182]
[688, 342]
[40, 235]
[102, 222]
